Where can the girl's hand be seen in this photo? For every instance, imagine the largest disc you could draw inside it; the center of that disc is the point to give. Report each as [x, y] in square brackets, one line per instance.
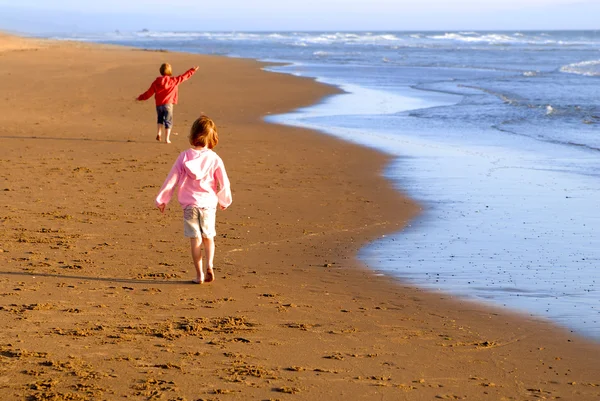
[161, 207]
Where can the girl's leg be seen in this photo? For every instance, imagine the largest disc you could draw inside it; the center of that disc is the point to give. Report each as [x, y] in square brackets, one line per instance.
[197, 258]
[168, 135]
[209, 248]
[158, 132]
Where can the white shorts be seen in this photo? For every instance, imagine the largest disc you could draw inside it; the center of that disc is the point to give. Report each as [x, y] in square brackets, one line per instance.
[199, 222]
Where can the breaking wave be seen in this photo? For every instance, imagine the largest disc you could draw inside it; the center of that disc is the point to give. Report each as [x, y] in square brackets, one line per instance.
[588, 68]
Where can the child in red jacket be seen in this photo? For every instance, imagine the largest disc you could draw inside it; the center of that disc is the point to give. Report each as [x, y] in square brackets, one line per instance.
[164, 89]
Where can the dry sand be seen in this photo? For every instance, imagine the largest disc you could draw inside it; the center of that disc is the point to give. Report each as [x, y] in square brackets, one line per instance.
[95, 295]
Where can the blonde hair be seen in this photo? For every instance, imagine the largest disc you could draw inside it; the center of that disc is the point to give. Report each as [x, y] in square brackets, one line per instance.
[165, 69]
[204, 133]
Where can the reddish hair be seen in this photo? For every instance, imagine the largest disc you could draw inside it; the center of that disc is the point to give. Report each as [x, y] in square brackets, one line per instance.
[204, 133]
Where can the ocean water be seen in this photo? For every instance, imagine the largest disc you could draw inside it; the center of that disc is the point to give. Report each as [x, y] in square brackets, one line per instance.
[496, 134]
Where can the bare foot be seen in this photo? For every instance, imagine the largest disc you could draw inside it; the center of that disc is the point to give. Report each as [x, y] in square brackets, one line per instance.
[210, 275]
[198, 280]
[158, 138]
[167, 141]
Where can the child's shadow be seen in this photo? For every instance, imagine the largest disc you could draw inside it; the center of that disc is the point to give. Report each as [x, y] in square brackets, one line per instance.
[103, 279]
[67, 139]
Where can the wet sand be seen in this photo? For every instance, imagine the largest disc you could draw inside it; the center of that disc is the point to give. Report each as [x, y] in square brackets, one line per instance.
[96, 297]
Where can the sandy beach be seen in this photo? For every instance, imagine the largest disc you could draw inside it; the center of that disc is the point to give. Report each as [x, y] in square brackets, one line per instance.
[96, 297]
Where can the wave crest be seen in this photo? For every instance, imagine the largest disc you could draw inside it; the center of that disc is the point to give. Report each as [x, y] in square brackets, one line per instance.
[588, 68]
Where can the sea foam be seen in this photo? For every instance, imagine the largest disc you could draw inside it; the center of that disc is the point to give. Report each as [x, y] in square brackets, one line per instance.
[588, 68]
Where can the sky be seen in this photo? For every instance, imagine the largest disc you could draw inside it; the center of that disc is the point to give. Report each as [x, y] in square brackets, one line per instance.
[37, 16]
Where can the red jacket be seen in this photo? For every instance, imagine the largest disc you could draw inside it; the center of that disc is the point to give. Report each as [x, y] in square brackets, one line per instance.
[164, 88]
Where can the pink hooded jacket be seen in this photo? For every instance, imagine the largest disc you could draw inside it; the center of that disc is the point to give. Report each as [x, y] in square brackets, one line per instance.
[201, 178]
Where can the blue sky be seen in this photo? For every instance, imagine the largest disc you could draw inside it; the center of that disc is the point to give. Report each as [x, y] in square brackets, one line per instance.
[242, 15]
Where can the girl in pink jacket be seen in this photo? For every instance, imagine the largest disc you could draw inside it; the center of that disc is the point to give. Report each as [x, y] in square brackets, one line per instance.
[200, 175]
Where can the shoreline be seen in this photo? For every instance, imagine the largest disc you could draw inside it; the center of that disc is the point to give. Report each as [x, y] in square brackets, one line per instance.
[291, 311]
[568, 308]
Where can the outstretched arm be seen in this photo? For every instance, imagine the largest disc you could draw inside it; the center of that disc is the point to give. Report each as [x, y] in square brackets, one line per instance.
[185, 76]
[148, 94]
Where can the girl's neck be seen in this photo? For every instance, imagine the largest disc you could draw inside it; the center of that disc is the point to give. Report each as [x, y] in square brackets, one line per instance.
[199, 147]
